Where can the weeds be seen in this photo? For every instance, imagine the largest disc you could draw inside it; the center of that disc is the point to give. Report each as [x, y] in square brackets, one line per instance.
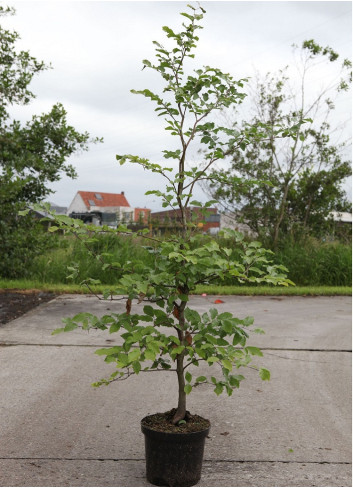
[310, 262]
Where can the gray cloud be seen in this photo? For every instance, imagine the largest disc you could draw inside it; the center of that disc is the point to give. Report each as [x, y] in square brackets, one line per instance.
[96, 49]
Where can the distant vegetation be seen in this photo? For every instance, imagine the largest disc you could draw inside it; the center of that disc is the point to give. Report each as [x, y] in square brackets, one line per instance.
[310, 263]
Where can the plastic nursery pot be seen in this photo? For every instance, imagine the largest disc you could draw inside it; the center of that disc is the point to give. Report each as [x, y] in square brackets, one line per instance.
[173, 459]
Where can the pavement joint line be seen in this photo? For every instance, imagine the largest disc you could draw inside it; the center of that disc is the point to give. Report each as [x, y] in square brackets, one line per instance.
[241, 461]
[110, 345]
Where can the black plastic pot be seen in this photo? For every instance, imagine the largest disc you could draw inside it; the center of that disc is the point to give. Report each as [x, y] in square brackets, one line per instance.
[174, 459]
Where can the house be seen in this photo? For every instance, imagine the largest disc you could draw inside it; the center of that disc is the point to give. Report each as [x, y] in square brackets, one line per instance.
[229, 220]
[101, 208]
[343, 217]
[102, 203]
[142, 215]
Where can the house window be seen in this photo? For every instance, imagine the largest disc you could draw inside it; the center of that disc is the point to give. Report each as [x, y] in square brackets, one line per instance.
[213, 218]
[98, 196]
[127, 216]
[91, 202]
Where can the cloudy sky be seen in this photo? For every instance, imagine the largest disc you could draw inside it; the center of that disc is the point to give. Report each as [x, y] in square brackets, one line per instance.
[96, 48]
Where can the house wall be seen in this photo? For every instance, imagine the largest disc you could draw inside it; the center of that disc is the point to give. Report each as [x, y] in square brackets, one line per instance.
[77, 205]
[113, 210]
[228, 221]
[125, 214]
[144, 213]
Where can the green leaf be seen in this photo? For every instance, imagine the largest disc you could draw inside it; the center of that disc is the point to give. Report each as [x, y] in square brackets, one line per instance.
[134, 355]
[219, 389]
[222, 342]
[253, 350]
[108, 351]
[192, 316]
[225, 315]
[57, 331]
[174, 339]
[227, 326]
[200, 379]
[265, 374]
[235, 380]
[196, 203]
[169, 31]
[188, 377]
[149, 311]
[227, 364]
[190, 17]
[136, 367]
[213, 313]
[237, 338]
[150, 355]
[212, 360]
[187, 389]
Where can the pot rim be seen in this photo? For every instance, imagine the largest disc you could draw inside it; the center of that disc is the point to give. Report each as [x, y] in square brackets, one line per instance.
[146, 430]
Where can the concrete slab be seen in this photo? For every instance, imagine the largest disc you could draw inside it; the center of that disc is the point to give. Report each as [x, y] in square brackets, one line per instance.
[56, 430]
[131, 473]
[319, 323]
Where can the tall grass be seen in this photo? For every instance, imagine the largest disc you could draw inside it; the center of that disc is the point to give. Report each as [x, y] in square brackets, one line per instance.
[315, 263]
[53, 267]
[310, 263]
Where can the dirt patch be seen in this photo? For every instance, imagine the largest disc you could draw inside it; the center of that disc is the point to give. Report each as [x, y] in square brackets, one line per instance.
[163, 422]
[14, 304]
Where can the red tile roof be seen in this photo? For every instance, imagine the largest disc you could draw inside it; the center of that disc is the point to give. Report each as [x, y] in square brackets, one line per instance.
[107, 200]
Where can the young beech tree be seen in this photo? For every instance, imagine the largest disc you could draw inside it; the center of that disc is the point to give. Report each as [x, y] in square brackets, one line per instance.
[31, 155]
[304, 175]
[169, 335]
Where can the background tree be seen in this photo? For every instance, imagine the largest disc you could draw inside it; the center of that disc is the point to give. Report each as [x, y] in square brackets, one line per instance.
[31, 155]
[299, 180]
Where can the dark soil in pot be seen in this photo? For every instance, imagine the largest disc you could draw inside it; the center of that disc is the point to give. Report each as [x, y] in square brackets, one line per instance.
[174, 453]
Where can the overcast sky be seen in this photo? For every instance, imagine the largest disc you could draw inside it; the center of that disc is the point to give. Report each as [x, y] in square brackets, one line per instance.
[96, 48]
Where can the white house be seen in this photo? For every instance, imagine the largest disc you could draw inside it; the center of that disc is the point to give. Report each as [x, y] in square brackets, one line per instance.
[102, 202]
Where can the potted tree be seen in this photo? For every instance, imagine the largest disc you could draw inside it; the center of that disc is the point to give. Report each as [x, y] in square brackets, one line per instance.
[159, 329]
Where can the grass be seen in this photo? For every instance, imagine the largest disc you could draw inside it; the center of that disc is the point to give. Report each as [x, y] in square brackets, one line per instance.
[209, 289]
[317, 268]
[51, 267]
[316, 263]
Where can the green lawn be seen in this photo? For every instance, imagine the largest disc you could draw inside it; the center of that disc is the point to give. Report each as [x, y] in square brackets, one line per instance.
[207, 289]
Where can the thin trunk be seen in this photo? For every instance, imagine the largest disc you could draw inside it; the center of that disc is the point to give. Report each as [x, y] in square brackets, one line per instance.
[307, 213]
[281, 216]
[181, 410]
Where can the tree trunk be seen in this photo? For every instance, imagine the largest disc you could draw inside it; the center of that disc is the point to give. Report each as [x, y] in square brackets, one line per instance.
[307, 212]
[281, 215]
[181, 410]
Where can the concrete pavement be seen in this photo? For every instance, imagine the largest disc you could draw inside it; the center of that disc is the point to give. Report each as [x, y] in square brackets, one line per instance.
[56, 430]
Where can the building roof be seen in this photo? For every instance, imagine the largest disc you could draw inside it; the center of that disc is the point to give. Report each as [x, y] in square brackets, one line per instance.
[102, 199]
